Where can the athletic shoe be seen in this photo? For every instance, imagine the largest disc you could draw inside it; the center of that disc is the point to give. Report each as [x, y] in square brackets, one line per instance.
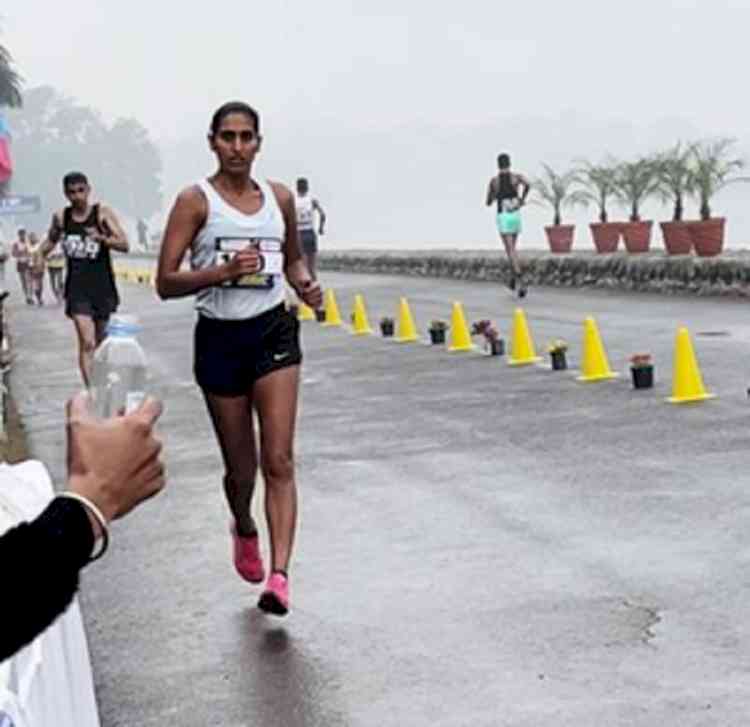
[522, 291]
[247, 558]
[275, 599]
[512, 283]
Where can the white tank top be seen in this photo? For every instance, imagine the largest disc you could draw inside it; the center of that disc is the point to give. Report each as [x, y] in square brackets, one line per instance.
[227, 230]
[305, 212]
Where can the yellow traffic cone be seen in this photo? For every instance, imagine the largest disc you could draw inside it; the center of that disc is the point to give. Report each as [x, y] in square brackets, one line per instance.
[687, 382]
[522, 345]
[406, 330]
[333, 317]
[361, 324]
[305, 313]
[460, 338]
[595, 362]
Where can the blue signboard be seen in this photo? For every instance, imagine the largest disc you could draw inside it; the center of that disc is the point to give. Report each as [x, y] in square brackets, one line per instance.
[14, 205]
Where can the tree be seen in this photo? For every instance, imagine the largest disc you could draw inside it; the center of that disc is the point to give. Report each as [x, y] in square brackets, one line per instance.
[636, 182]
[54, 134]
[712, 169]
[10, 81]
[599, 183]
[675, 179]
[557, 191]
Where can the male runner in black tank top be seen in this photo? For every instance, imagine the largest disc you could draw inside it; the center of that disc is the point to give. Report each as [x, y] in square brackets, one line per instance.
[88, 233]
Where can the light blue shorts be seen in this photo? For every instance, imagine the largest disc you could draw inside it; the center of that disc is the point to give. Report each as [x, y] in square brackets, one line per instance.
[509, 223]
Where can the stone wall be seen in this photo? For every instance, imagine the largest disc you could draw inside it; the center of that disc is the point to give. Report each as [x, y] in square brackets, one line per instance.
[728, 274]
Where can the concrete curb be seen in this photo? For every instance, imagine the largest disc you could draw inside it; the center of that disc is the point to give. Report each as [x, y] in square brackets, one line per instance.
[726, 275]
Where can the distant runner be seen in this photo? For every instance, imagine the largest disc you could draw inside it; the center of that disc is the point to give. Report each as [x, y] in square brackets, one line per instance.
[56, 269]
[307, 206]
[504, 189]
[37, 264]
[22, 256]
[88, 233]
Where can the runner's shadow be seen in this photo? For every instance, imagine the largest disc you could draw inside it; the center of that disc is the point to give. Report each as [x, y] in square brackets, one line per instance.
[282, 683]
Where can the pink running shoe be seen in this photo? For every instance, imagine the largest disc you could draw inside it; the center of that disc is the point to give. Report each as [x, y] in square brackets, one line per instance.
[275, 599]
[247, 558]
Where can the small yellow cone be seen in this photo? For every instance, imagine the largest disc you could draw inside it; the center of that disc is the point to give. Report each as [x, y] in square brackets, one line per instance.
[406, 330]
[361, 323]
[305, 313]
[333, 317]
[595, 362]
[687, 382]
[522, 351]
[460, 338]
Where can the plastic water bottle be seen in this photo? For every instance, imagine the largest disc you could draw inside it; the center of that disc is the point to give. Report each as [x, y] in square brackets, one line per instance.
[120, 370]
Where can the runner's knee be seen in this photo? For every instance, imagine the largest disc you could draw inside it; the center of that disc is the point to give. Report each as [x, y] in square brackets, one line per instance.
[88, 345]
[278, 467]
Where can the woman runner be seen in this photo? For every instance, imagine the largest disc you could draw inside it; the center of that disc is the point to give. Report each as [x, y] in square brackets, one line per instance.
[504, 190]
[242, 237]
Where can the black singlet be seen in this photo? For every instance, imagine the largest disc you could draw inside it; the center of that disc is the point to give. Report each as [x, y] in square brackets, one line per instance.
[89, 263]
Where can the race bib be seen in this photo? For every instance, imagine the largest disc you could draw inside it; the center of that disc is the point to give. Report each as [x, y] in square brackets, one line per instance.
[79, 248]
[271, 260]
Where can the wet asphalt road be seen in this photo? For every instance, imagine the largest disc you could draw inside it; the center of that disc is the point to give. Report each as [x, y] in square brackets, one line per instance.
[478, 545]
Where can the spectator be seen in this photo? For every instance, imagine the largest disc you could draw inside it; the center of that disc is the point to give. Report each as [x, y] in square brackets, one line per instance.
[113, 466]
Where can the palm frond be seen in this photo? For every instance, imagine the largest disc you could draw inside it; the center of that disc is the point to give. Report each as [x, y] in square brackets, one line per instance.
[10, 81]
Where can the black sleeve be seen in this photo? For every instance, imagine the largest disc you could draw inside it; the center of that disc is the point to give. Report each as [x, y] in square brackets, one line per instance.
[39, 566]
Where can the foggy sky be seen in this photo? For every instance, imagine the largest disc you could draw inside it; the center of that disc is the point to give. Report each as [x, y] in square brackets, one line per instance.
[397, 110]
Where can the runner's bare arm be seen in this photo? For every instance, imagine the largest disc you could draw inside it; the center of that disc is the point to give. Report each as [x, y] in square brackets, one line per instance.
[116, 238]
[491, 194]
[294, 266]
[186, 218]
[322, 223]
[53, 235]
[524, 183]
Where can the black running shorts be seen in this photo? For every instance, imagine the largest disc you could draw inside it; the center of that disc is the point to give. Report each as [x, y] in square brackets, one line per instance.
[98, 309]
[309, 241]
[232, 355]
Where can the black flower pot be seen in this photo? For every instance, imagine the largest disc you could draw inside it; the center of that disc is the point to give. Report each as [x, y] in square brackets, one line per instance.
[497, 347]
[559, 362]
[386, 329]
[643, 377]
[320, 315]
[437, 335]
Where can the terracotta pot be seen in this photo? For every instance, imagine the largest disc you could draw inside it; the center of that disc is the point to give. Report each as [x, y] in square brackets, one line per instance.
[606, 236]
[637, 236]
[677, 238]
[560, 237]
[708, 236]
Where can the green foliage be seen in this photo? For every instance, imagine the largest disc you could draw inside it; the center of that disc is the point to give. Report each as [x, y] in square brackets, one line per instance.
[10, 81]
[53, 134]
[635, 182]
[673, 171]
[557, 191]
[599, 184]
[713, 167]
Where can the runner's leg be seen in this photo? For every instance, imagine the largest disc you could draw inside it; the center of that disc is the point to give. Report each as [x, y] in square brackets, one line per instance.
[86, 332]
[309, 257]
[275, 398]
[233, 424]
[509, 241]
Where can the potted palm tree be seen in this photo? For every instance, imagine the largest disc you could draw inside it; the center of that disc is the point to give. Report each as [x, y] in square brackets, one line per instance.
[713, 168]
[598, 181]
[673, 171]
[636, 182]
[557, 191]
